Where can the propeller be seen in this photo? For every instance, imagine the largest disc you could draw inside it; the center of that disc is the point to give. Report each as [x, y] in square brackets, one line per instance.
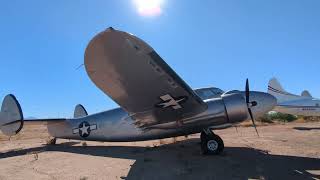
[250, 104]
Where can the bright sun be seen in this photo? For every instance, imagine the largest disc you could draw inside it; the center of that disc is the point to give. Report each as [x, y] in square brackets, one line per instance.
[149, 7]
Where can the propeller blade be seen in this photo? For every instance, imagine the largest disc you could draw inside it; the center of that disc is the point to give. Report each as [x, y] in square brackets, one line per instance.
[247, 91]
[253, 123]
[250, 104]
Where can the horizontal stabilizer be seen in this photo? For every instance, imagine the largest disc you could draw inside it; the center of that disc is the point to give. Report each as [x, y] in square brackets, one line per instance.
[306, 93]
[80, 111]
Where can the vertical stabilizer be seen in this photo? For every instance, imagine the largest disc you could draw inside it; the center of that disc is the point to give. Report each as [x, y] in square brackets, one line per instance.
[80, 111]
[275, 89]
[306, 93]
[11, 117]
[275, 85]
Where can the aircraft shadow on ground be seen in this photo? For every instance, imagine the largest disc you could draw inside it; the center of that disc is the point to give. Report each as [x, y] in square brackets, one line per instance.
[182, 160]
[306, 128]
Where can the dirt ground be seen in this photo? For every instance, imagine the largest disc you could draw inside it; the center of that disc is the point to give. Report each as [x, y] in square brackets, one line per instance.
[290, 151]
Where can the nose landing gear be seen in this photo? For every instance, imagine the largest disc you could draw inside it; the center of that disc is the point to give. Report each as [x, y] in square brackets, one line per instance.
[211, 143]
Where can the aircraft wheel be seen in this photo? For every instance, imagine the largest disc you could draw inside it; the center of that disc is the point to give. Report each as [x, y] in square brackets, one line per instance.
[211, 144]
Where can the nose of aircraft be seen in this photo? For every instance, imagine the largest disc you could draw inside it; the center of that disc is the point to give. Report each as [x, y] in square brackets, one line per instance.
[265, 103]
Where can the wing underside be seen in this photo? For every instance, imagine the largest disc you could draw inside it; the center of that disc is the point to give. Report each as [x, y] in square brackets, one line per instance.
[138, 79]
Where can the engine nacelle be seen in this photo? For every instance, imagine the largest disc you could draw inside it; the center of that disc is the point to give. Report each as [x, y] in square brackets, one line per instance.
[226, 110]
[235, 107]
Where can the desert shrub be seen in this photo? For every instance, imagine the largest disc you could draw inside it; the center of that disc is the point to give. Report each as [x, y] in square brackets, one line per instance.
[265, 119]
[276, 116]
[281, 117]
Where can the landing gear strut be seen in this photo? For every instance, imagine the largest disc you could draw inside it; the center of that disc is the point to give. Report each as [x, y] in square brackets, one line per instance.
[211, 143]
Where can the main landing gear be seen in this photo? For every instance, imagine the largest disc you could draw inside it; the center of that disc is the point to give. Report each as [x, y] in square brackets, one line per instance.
[211, 143]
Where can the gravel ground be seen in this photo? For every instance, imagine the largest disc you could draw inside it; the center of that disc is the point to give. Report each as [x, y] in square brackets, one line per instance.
[290, 151]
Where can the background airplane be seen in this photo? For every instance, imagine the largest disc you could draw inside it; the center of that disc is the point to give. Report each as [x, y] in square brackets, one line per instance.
[155, 102]
[289, 103]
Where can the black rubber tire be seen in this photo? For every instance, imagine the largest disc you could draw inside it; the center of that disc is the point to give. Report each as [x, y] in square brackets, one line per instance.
[216, 140]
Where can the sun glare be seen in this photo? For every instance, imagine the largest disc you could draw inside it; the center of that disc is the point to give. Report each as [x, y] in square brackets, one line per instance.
[149, 7]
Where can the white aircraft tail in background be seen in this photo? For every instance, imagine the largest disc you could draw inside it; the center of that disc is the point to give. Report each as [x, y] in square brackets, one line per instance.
[289, 103]
[275, 89]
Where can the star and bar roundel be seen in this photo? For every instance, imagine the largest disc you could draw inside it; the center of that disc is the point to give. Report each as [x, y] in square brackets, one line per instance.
[169, 101]
[84, 129]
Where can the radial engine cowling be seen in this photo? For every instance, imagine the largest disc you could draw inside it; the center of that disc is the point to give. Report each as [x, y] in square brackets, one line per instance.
[236, 107]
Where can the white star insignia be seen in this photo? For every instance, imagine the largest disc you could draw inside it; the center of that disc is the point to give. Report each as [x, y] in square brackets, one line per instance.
[84, 129]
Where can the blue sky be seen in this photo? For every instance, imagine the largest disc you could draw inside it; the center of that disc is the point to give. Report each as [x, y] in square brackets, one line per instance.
[208, 43]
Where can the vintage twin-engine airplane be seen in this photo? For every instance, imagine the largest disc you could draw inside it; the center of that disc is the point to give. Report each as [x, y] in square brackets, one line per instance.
[304, 105]
[155, 102]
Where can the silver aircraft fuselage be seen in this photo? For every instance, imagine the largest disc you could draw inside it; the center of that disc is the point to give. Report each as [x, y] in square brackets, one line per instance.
[302, 107]
[117, 125]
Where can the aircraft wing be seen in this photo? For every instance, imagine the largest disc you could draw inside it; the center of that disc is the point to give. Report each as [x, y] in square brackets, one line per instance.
[138, 79]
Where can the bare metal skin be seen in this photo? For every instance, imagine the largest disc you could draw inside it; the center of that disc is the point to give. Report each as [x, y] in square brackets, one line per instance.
[116, 125]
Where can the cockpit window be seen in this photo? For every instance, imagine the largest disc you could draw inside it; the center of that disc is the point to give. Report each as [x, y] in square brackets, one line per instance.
[208, 93]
